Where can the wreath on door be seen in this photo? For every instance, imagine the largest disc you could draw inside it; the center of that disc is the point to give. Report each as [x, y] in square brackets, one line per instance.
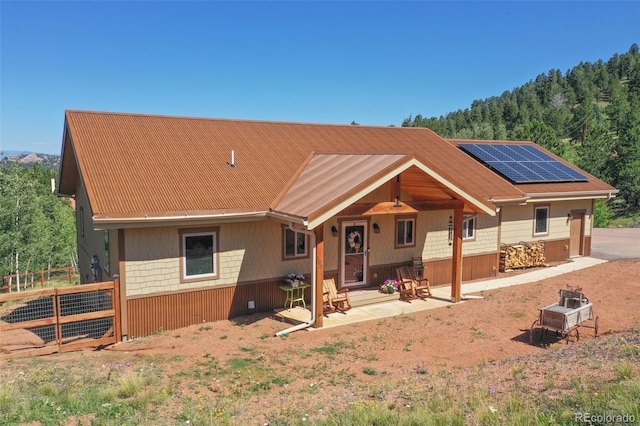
[355, 240]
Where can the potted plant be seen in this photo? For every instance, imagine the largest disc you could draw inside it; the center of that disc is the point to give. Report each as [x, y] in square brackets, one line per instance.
[390, 286]
[293, 279]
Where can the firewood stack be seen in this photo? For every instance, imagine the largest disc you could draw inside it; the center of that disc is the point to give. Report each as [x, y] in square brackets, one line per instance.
[521, 255]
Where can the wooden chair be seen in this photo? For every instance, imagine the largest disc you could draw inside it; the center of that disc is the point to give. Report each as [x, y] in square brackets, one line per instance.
[335, 300]
[418, 266]
[412, 287]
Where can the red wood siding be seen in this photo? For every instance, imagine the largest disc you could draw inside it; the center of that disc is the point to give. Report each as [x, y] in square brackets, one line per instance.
[170, 311]
[556, 250]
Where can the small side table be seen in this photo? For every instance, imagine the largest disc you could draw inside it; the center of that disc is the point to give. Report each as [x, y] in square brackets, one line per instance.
[294, 294]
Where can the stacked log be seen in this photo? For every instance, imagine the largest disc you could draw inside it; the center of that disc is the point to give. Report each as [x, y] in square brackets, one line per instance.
[536, 253]
[521, 255]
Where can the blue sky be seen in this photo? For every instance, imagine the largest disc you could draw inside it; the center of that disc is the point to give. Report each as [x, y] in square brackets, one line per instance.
[326, 62]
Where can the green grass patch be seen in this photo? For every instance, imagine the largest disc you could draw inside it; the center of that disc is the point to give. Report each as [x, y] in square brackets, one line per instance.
[126, 389]
[333, 348]
[370, 371]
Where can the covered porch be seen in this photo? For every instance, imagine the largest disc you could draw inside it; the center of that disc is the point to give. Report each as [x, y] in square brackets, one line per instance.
[368, 304]
[356, 189]
[469, 292]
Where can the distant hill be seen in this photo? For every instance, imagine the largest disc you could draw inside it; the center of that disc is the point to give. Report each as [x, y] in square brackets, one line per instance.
[29, 159]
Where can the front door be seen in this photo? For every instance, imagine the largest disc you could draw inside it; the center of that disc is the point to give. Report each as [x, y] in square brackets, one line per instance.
[354, 253]
[576, 234]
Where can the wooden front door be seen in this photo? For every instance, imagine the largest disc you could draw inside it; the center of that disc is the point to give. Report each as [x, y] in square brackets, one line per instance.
[576, 236]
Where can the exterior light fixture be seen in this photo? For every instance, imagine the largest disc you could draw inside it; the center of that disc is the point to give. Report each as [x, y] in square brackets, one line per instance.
[569, 216]
[376, 228]
[334, 231]
[450, 230]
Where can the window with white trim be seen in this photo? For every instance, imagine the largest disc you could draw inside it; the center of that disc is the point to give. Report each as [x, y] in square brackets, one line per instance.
[295, 244]
[199, 254]
[541, 221]
[469, 228]
[405, 231]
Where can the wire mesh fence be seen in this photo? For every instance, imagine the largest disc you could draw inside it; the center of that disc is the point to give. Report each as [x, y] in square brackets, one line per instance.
[44, 321]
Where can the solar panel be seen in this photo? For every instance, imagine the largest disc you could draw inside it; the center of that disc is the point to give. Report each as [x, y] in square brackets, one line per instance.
[521, 163]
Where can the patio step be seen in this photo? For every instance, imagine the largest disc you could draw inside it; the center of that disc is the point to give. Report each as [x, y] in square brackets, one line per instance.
[362, 297]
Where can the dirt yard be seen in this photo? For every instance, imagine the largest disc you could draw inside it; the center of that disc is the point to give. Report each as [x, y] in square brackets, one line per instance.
[331, 367]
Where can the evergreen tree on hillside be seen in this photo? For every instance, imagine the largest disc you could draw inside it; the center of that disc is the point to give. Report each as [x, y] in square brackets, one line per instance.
[590, 116]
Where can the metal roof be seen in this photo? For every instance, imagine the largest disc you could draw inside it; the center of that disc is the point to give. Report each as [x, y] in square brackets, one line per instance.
[138, 167]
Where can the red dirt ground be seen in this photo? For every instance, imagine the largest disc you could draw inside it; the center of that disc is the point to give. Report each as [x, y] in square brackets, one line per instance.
[476, 332]
[472, 332]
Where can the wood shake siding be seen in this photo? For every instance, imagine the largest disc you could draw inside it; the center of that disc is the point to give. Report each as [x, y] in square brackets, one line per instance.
[517, 221]
[249, 251]
[436, 243]
[486, 235]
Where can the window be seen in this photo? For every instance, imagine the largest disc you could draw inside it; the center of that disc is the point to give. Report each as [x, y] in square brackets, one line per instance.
[106, 251]
[469, 229]
[541, 221]
[405, 232]
[295, 244]
[199, 254]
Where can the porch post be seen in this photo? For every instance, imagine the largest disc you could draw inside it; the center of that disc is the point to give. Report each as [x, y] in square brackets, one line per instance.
[319, 231]
[122, 282]
[456, 261]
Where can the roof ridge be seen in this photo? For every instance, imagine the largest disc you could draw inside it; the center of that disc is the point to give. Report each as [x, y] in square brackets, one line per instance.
[363, 153]
[500, 141]
[237, 120]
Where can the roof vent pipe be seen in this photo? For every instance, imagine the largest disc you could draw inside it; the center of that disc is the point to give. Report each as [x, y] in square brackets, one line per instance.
[233, 159]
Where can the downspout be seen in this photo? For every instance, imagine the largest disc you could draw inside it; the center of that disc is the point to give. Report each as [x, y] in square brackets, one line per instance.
[313, 284]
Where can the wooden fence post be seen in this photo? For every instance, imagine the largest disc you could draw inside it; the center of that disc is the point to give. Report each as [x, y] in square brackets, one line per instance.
[117, 321]
[57, 314]
[70, 277]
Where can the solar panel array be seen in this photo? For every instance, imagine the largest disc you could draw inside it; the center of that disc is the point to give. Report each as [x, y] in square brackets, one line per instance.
[522, 163]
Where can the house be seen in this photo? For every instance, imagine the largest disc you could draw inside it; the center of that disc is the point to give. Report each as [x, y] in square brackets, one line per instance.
[202, 218]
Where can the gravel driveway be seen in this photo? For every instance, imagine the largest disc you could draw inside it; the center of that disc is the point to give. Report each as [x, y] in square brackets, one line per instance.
[615, 243]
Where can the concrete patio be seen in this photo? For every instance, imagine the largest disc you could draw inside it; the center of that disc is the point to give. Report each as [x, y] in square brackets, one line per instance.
[441, 297]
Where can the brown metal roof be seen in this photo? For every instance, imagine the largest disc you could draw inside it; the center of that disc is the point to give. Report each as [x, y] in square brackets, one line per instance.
[329, 178]
[329, 183]
[136, 166]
